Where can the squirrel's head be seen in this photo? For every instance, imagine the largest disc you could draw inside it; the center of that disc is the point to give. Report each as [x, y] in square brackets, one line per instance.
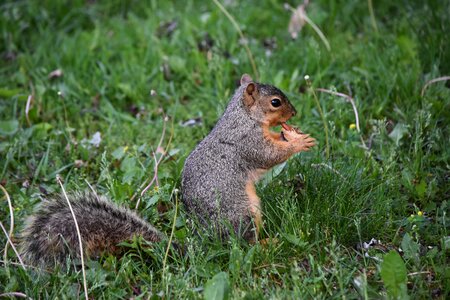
[266, 103]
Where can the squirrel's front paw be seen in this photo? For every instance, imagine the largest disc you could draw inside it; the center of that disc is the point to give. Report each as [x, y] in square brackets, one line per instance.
[301, 141]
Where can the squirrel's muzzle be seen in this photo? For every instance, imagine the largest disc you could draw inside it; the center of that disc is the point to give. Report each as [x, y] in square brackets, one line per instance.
[294, 111]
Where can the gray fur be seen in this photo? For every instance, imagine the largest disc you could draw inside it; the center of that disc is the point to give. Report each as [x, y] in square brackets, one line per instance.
[216, 173]
[50, 235]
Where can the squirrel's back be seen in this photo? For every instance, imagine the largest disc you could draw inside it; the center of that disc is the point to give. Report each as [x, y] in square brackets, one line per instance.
[50, 235]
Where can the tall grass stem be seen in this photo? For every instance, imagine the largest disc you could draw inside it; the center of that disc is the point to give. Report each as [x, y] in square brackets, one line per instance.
[241, 34]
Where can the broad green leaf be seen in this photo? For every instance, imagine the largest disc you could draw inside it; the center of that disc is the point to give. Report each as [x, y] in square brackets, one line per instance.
[235, 263]
[125, 88]
[7, 93]
[407, 46]
[9, 127]
[269, 176]
[393, 273]
[152, 201]
[131, 174]
[421, 188]
[40, 131]
[130, 169]
[217, 288]
[119, 153]
[178, 64]
[129, 163]
[400, 130]
[248, 261]
[278, 78]
[294, 240]
[410, 247]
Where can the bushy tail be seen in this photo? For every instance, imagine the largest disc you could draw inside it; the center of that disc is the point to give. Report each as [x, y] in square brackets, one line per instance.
[50, 236]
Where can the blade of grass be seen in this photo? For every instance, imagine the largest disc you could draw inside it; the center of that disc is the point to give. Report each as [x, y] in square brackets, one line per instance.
[11, 218]
[318, 31]
[12, 245]
[372, 16]
[83, 270]
[322, 116]
[175, 191]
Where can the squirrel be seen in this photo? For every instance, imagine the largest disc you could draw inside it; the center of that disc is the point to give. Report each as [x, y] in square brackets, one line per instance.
[218, 183]
[219, 176]
[50, 236]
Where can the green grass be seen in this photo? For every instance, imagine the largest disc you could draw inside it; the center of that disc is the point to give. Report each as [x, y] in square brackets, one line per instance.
[112, 53]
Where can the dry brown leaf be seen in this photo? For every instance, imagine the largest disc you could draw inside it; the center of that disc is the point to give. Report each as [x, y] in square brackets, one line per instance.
[55, 74]
[297, 20]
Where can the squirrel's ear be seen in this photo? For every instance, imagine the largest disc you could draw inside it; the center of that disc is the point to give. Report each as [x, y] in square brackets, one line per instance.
[249, 93]
[246, 79]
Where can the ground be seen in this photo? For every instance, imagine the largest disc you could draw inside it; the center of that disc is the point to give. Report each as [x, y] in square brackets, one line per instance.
[98, 92]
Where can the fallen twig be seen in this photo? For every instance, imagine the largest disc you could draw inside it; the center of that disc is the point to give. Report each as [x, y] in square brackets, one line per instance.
[355, 110]
[443, 78]
[419, 273]
[14, 294]
[157, 162]
[27, 108]
[349, 99]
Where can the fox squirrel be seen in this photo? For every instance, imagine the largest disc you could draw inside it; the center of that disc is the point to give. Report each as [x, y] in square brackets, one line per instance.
[217, 183]
[218, 180]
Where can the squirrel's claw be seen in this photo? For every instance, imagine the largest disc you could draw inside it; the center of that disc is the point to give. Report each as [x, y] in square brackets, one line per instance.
[302, 141]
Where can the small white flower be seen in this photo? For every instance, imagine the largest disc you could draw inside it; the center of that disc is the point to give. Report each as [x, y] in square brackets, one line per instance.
[306, 77]
[96, 139]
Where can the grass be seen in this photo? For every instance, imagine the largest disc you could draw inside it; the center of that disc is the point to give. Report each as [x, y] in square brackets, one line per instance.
[321, 210]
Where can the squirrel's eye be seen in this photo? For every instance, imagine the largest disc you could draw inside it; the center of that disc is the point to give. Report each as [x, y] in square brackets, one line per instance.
[276, 102]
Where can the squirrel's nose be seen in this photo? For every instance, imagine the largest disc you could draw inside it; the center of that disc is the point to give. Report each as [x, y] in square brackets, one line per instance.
[294, 111]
